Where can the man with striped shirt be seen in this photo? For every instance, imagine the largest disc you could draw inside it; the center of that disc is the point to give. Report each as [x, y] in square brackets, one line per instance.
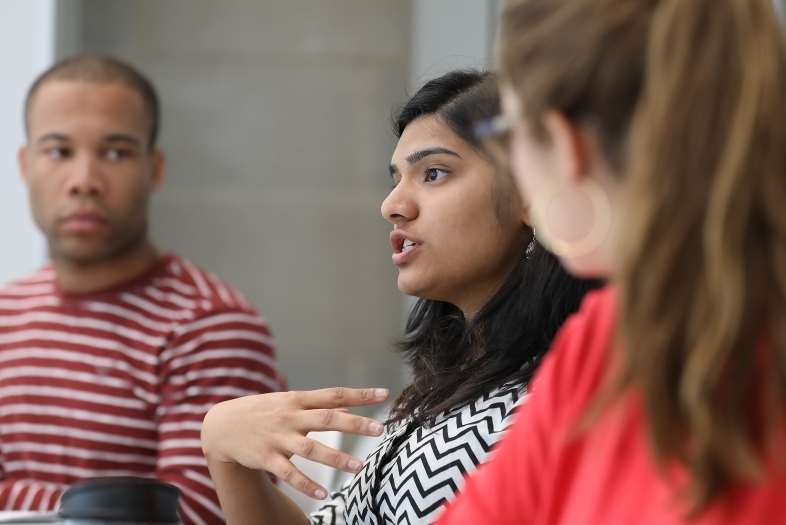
[111, 355]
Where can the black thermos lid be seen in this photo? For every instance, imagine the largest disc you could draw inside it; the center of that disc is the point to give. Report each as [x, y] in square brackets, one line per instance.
[121, 499]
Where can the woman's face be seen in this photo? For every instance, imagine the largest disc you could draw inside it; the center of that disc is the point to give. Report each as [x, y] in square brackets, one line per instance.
[564, 167]
[456, 230]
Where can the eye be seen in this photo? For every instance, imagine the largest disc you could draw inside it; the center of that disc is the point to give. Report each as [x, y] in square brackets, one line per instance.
[57, 153]
[434, 174]
[117, 154]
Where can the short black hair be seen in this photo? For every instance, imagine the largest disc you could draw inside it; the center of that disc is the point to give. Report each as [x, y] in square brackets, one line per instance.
[102, 69]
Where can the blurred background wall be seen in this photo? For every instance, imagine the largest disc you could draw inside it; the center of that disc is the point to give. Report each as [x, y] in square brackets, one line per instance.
[276, 125]
[27, 47]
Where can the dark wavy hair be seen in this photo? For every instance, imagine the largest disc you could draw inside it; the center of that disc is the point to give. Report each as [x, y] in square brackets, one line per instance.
[454, 362]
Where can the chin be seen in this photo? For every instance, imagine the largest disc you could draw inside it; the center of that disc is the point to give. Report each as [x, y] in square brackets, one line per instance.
[412, 287]
[585, 268]
[80, 253]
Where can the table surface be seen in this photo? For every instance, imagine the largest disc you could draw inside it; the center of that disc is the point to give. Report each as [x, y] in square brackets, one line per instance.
[15, 516]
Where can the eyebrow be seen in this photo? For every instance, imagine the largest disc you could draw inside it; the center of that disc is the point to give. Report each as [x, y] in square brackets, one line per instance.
[120, 137]
[53, 136]
[419, 155]
[114, 137]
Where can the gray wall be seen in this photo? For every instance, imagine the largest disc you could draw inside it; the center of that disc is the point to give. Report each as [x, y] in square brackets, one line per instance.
[276, 129]
[780, 7]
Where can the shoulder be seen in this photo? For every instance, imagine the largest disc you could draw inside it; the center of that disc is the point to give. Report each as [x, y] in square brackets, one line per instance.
[586, 334]
[576, 364]
[227, 338]
[40, 282]
[596, 316]
[211, 292]
[216, 309]
[503, 400]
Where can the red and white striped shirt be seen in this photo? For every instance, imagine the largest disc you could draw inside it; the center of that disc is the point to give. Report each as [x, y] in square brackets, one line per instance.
[117, 383]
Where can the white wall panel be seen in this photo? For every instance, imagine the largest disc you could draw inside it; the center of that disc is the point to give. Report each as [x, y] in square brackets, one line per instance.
[27, 31]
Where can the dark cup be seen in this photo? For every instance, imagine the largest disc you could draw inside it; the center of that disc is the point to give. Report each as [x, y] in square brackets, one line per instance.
[115, 500]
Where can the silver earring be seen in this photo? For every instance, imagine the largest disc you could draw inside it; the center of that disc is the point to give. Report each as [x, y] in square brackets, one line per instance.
[531, 245]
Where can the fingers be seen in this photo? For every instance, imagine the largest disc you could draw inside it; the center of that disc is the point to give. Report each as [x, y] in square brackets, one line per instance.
[315, 451]
[332, 419]
[288, 473]
[341, 397]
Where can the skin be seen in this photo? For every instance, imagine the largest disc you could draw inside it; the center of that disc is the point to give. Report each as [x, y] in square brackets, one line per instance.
[442, 199]
[445, 199]
[90, 174]
[569, 154]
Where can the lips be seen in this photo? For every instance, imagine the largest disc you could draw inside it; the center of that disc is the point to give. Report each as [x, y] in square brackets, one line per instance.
[404, 246]
[83, 221]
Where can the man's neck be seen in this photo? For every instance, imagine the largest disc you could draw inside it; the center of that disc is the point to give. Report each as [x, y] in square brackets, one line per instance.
[77, 278]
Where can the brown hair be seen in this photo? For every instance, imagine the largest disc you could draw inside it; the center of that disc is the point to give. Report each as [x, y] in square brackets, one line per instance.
[688, 101]
[103, 70]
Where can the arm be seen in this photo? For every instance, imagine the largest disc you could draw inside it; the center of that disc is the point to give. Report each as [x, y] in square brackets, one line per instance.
[219, 356]
[248, 496]
[261, 433]
[28, 494]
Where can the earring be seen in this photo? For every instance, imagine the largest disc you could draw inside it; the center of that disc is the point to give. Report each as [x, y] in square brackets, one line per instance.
[600, 228]
[531, 245]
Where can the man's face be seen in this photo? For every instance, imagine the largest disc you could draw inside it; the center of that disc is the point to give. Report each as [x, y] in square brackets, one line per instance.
[89, 168]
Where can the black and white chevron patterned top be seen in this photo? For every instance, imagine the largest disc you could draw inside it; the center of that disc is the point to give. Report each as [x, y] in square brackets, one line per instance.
[415, 470]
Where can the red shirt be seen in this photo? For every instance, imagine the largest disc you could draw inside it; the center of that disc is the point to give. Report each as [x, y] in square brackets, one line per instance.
[117, 382]
[544, 473]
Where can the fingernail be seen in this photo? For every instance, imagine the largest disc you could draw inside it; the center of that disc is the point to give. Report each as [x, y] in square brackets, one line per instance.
[353, 465]
[376, 428]
[381, 392]
[320, 494]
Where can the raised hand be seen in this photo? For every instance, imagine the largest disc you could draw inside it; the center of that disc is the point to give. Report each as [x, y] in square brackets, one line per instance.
[263, 432]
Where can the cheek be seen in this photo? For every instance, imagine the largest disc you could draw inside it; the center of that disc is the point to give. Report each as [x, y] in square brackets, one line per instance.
[128, 191]
[527, 172]
[471, 239]
[43, 192]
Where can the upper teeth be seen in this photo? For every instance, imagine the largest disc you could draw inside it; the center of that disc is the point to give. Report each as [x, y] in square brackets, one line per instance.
[407, 245]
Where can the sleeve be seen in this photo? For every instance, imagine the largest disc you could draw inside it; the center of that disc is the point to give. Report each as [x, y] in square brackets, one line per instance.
[333, 510]
[27, 494]
[217, 357]
[511, 487]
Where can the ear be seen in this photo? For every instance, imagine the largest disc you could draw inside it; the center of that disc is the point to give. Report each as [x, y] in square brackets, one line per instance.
[570, 146]
[21, 158]
[159, 165]
[528, 217]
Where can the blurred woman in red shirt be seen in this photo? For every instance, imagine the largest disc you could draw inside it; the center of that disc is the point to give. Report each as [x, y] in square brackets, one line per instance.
[651, 137]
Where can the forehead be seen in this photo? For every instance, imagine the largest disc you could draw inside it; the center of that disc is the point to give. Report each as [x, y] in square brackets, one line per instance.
[72, 105]
[429, 131]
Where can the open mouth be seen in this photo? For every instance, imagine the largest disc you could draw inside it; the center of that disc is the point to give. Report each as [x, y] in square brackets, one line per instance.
[403, 246]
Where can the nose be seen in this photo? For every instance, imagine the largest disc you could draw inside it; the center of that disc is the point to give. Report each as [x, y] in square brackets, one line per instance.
[85, 179]
[401, 204]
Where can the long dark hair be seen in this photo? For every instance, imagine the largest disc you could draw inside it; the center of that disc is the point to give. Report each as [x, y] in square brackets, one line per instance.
[455, 362]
